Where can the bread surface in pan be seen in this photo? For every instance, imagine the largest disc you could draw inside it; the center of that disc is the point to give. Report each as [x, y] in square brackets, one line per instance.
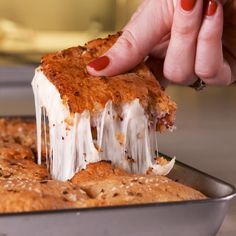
[108, 185]
[26, 186]
[17, 195]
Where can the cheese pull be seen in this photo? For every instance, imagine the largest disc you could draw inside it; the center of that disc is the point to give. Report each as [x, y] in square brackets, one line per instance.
[123, 135]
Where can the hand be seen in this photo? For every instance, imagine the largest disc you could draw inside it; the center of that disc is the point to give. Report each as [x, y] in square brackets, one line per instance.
[187, 36]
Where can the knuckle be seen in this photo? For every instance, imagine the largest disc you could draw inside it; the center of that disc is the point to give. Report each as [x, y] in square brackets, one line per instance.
[128, 41]
[206, 73]
[217, 74]
[177, 75]
[207, 68]
[183, 30]
[208, 37]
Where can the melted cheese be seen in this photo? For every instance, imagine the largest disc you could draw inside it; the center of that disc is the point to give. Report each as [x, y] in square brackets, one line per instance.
[128, 140]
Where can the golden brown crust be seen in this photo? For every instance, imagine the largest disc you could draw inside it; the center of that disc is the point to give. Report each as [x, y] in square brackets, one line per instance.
[97, 171]
[22, 169]
[136, 189]
[18, 138]
[26, 186]
[15, 151]
[67, 71]
[20, 131]
[29, 195]
[107, 185]
[28, 201]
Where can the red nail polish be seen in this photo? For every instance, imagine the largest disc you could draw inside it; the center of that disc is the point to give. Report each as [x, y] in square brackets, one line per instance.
[211, 8]
[100, 63]
[188, 5]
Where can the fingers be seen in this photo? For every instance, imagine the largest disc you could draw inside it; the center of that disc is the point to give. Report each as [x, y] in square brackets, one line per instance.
[210, 65]
[193, 50]
[180, 58]
[147, 27]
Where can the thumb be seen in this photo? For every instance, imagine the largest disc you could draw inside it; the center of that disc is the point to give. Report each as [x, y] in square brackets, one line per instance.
[146, 28]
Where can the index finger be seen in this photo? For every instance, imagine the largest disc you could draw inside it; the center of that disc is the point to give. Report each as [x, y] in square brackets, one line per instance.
[139, 37]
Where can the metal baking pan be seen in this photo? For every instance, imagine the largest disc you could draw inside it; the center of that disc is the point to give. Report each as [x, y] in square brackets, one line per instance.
[190, 218]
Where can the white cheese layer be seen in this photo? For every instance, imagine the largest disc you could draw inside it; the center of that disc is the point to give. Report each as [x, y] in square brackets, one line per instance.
[128, 140]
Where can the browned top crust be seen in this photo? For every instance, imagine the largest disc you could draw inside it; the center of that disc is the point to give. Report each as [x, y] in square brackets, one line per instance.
[107, 185]
[15, 151]
[97, 171]
[31, 195]
[136, 189]
[66, 69]
[22, 169]
[20, 131]
[18, 139]
[26, 186]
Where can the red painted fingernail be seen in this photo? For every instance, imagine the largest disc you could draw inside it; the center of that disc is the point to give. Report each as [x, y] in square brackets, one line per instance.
[188, 5]
[100, 63]
[211, 8]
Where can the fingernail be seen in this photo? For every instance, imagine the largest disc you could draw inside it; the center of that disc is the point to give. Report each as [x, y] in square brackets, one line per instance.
[211, 8]
[100, 63]
[188, 5]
